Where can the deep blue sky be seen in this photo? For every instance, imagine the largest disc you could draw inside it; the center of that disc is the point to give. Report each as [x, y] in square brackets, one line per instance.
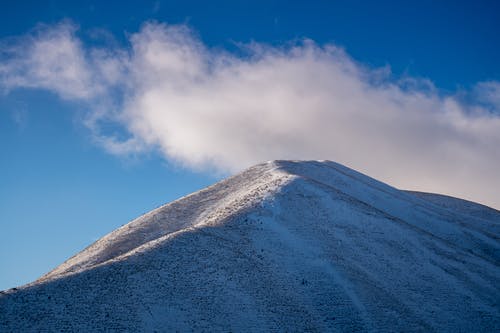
[454, 43]
[59, 191]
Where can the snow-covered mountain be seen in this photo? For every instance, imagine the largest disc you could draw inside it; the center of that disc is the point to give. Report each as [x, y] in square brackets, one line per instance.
[283, 246]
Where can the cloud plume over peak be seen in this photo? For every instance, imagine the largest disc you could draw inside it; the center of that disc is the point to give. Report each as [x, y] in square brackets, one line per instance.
[207, 108]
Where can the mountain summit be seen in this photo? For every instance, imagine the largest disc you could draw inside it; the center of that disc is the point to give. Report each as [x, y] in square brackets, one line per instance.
[283, 246]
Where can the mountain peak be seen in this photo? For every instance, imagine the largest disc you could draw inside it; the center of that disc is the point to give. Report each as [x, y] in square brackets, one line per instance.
[284, 245]
[213, 205]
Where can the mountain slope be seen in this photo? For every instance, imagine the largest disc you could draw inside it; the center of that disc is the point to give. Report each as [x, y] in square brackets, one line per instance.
[283, 246]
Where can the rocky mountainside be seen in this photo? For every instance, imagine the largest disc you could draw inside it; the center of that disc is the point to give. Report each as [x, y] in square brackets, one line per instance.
[283, 246]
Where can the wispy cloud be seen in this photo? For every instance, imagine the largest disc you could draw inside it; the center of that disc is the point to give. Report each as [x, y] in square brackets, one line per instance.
[207, 108]
[51, 58]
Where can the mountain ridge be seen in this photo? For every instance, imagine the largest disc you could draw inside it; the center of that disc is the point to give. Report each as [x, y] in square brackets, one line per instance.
[285, 245]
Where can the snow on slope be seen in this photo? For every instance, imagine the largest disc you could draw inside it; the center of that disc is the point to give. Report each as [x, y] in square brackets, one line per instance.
[284, 246]
[210, 205]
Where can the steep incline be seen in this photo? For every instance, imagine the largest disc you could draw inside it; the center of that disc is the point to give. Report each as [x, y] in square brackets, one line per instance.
[284, 246]
[211, 205]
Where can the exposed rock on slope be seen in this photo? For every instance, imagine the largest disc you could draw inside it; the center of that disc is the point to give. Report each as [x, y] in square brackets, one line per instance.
[283, 246]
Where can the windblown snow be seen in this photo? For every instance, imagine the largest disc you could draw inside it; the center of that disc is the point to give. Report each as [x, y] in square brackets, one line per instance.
[283, 246]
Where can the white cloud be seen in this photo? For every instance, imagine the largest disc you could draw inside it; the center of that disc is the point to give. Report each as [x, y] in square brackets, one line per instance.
[49, 58]
[207, 108]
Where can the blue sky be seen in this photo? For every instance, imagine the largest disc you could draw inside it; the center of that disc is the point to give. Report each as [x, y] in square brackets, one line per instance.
[79, 157]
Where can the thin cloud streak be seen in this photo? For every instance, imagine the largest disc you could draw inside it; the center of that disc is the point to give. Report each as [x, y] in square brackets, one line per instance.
[210, 109]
